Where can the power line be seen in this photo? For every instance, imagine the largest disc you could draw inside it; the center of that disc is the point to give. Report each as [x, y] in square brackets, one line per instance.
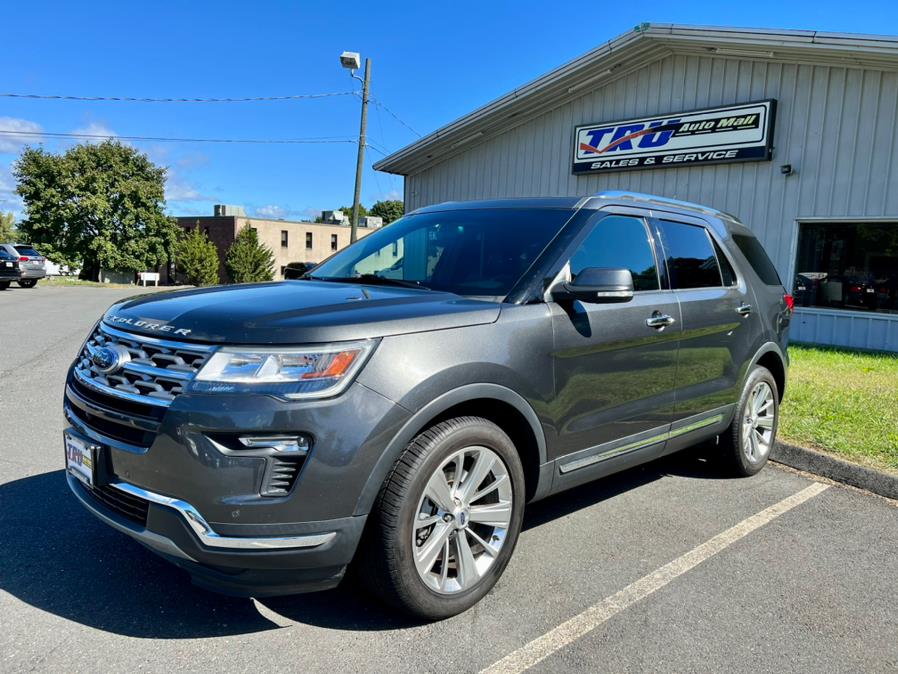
[132, 99]
[257, 141]
[395, 116]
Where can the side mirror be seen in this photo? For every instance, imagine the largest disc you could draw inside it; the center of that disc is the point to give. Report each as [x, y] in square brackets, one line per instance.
[597, 285]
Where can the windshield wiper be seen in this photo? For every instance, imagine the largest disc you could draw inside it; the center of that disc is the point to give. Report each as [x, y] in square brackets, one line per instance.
[372, 279]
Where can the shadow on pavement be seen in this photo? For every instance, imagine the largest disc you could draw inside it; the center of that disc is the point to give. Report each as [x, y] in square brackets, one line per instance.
[58, 558]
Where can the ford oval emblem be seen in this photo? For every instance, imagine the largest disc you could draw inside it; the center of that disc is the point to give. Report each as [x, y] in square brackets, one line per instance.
[109, 359]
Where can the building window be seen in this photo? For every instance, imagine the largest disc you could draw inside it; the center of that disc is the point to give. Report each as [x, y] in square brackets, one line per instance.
[333, 242]
[284, 238]
[847, 266]
[308, 240]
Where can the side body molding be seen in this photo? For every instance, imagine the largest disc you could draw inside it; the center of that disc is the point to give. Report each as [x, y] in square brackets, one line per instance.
[417, 422]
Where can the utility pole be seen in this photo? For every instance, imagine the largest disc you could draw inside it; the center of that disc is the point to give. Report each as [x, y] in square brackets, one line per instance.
[353, 234]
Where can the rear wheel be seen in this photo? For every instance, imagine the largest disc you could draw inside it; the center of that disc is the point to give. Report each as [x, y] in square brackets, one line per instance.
[748, 441]
[4, 285]
[447, 519]
[28, 282]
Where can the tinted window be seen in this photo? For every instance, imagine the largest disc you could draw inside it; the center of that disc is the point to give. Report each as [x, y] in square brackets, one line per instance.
[28, 251]
[690, 257]
[726, 270]
[619, 242]
[468, 251]
[757, 257]
[6, 256]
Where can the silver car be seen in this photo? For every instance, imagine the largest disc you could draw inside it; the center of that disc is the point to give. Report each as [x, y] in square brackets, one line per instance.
[32, 266]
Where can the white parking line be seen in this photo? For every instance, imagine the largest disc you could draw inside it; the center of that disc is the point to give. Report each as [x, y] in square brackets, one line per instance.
[569, 631]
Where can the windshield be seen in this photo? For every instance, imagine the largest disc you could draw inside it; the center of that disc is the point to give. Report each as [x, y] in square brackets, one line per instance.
[466, 252]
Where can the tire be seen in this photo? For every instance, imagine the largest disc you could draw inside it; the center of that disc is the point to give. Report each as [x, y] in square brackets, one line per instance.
[397, 542]
[747, 442]
[27, 283]
[4, 285]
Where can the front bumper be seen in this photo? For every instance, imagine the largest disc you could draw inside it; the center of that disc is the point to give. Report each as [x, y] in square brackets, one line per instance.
[238, 565]
[203, 497]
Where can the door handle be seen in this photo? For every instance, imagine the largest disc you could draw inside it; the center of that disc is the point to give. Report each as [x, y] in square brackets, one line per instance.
[743, 309]
[659, 320]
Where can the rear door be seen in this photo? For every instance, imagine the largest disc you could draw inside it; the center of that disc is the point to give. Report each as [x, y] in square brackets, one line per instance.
[614, 373]
[720, 325]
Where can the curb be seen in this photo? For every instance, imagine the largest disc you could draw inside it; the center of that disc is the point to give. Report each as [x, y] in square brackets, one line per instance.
[819, 463]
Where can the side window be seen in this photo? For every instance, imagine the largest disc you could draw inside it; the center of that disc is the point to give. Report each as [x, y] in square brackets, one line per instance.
[726, 270]
[619, 242]
[690, 256]
[757, 257]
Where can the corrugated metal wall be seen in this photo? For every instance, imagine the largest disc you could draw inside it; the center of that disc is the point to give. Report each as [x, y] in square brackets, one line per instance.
[836, 127]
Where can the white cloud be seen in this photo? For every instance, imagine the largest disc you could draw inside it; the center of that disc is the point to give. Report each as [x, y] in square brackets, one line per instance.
[272, 211]
[9, 200]
[95, 129]
[26, 132]
[393, 195]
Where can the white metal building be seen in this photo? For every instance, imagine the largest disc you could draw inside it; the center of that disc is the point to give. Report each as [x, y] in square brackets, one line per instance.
[793, 131]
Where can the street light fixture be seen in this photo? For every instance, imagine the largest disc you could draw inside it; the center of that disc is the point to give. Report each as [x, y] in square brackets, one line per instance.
[352, 61]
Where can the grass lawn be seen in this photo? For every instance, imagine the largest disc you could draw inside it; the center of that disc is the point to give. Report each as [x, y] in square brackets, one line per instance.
[845, 402]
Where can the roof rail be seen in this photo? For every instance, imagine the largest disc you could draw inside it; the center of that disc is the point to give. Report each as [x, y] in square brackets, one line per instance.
[663, 201]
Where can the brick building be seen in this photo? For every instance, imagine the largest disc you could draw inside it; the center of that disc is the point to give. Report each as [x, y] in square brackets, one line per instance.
[289, 240]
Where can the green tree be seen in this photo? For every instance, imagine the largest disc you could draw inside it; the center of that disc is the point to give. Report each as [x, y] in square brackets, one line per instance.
[389, 210]
[8, 233]
[248, 261]
[197, 258]
[97, 206]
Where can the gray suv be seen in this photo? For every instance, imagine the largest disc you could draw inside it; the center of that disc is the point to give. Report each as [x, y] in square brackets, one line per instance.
[397, 407]
[31, 264]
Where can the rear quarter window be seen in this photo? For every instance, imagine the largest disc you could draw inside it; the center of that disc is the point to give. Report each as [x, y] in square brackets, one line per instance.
[758, 259]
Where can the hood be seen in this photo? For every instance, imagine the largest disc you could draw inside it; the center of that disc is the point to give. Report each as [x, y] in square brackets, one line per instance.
[295, 312]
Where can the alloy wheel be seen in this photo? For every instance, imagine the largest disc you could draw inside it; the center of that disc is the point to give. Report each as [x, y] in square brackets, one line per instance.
[758, 422]
[462, 520]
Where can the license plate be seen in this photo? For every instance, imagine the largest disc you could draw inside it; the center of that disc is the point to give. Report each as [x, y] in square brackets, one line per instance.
[870, 290]
[9, 264]
[80, 458]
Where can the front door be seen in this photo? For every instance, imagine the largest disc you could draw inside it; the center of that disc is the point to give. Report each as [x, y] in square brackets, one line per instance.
[614, 372]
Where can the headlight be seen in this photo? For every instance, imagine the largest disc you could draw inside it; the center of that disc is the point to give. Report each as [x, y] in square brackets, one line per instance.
[311, 372]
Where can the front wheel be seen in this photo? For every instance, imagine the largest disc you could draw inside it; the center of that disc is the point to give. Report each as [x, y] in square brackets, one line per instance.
[27, 283]
[447, 519]
[749, 439]
[4, 285]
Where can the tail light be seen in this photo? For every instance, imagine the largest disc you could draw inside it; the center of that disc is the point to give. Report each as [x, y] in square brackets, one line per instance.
[855, 289]
[790, 302]
[23, 259]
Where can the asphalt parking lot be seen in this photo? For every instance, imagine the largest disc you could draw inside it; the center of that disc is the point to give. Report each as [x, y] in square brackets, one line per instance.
[669, 567]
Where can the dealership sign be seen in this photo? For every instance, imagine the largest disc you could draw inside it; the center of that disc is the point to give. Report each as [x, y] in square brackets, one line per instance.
[715, 135]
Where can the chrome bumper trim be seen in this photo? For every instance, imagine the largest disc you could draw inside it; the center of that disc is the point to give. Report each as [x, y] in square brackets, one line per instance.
[211, 539]
[198, 525]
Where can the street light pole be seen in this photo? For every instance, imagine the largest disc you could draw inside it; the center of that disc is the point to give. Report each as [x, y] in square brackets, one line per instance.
[353, 234]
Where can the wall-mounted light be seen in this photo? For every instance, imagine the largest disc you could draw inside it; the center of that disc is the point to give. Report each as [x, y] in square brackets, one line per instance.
[786, 169]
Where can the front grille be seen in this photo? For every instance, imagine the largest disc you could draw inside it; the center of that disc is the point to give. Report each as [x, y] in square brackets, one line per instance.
[155, 371]
[132, 508]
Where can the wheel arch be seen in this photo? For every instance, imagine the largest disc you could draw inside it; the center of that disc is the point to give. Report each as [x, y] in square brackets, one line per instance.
[499, 404]
[772, 357]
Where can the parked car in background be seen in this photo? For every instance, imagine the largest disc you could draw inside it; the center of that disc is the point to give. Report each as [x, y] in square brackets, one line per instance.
[9, 268]
[296, 270]
[31, 263]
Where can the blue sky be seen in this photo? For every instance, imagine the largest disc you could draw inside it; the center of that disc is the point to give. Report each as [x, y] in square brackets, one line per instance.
[432, 62]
